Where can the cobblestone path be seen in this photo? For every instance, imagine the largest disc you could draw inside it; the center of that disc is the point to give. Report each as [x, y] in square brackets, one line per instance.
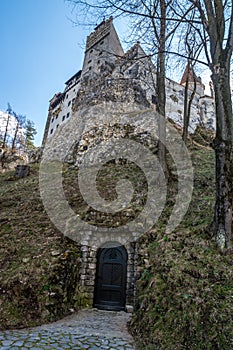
[87, 329]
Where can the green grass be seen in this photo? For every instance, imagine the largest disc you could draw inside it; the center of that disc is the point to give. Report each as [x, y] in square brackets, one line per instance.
[27, 265]
[185, 289]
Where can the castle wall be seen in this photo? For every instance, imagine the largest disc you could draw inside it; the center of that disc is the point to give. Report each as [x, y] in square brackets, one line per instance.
[207, 111]
[61, 107]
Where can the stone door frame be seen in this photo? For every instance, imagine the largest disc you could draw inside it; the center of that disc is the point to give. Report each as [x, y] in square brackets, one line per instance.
[89, 264]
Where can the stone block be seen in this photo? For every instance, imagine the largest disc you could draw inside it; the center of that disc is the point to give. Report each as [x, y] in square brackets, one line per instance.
[22, 171]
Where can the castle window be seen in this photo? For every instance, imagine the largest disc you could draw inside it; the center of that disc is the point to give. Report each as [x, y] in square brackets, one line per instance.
[67, 95]
[91, 51]
[98, 62]
[89, 61]
[52, 120]
[100, 53]
[101, 43]
[56, 116]
[69, 103]
[154, 99]
[57, 125]
[63, 118]
[89, 68]
[68, 114]
[51, 131]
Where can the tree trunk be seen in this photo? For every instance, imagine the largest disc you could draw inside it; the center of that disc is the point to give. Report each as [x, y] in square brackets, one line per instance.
[6, 131]
[186, 121]
[13, 146]
[188, 104]
[161, 92]
[224, 158]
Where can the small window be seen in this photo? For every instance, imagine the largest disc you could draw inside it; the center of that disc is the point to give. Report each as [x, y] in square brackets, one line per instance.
[56, 116]
[67, 95]
[91, 51]
[89, 61]
[51, 131]
[98, 62]
[52, 120]
[63, 118]
[69, 103]
[101, 43]
[68, 114]
[100, 53]
[154, 99]
[90, 68]
[57, 125]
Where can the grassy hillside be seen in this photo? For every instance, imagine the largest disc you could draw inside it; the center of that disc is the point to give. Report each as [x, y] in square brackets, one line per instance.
[39, 268]
[185, 289]
[185, 285]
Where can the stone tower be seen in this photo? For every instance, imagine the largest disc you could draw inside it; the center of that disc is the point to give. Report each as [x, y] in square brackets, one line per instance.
[103, 47]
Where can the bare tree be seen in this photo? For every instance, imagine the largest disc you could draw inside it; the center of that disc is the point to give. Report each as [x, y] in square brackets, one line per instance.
[20, 120]
[161, 75]
[192, 50]
[19, 132]
[216, 34]
[9, 113]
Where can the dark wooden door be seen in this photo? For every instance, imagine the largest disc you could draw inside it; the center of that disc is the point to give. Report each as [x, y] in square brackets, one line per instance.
[110, 285]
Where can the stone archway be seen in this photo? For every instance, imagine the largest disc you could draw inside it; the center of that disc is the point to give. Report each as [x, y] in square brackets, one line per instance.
[89, 267]
[111, 278]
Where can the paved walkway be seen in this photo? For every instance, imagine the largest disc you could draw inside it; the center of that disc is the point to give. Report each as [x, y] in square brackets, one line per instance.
[87, 329]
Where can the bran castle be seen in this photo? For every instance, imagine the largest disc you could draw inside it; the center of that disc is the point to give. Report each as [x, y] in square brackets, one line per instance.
[98, 104]
[105, 60]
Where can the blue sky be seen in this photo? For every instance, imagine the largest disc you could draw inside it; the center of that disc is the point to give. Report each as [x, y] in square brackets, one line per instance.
[40, 49]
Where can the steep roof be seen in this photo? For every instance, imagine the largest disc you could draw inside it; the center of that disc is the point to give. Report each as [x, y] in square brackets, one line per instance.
[189, 75]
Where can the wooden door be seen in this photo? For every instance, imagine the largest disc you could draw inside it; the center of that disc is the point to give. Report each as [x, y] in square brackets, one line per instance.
[110, 285]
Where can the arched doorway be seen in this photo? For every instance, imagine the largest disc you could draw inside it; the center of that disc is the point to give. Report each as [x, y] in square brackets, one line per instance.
[110, 283]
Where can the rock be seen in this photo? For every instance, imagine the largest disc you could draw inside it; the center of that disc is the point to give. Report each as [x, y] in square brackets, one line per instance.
[2, 151]
[10, 159]
[35, 155]
[55, 253]
[45, 313]
[22, 171]
[129, 309]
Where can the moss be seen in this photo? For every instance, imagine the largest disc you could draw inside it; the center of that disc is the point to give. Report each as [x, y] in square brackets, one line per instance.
[35, 286]
[81, 298]
[185, 290]
[185, 300]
